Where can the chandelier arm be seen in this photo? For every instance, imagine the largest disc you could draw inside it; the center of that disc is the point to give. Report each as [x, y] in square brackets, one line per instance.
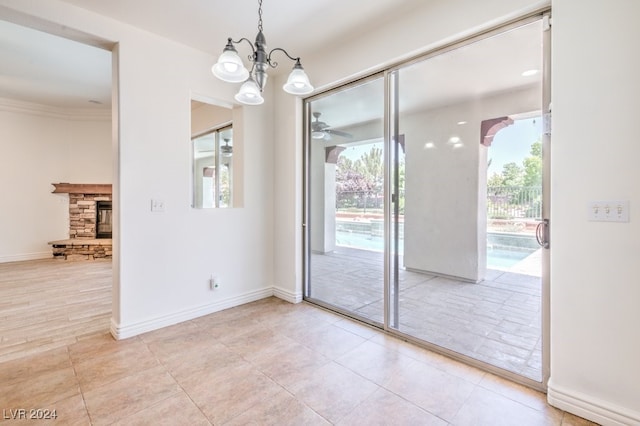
[253, 48]
[274, 64]
[230, 68]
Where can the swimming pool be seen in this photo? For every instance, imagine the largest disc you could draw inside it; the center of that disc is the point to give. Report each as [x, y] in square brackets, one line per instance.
[504, 258]
[498, 258]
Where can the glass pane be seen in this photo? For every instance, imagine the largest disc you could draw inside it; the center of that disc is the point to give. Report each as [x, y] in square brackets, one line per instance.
[204, 166]
[225, 178]
[212, 150]
[213, 169]
[469, 200]
[346, 200]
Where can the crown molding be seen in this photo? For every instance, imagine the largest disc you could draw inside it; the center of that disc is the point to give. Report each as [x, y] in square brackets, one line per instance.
[75, 114]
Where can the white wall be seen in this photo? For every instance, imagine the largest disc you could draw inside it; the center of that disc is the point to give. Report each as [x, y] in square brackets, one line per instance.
[41, 145]
[443, 185]
[445, 196]
[163, 260]
[322, 201]
[206, 117]
[166, 259]
[595, 284]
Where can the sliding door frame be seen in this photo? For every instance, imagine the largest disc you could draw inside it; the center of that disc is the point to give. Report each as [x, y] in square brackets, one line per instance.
[391, 132]
[306, 184]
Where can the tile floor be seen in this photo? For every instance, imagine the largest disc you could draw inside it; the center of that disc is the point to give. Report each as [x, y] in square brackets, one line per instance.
[497, 321]
[267, 362]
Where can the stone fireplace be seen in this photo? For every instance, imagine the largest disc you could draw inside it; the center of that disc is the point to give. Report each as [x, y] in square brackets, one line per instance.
[90, 222]
[83, 215]
[103, 219]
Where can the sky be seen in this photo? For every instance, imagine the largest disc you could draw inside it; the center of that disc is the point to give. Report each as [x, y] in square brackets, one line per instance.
[513, 143]
[355, 152]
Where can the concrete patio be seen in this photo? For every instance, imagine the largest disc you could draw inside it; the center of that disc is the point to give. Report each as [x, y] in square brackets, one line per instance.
[497, 321]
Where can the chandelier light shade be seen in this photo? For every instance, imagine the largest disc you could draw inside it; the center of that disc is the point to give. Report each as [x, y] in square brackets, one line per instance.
[249, 93]
[231, 69]
[298, 82]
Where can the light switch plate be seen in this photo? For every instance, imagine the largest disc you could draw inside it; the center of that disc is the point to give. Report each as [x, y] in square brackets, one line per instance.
[157, 205]
[608, 211]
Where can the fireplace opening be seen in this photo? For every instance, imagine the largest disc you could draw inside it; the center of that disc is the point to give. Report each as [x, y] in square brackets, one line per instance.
[103, 219]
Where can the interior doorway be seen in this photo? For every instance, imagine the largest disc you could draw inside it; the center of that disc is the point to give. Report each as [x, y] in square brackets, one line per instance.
[57, 127]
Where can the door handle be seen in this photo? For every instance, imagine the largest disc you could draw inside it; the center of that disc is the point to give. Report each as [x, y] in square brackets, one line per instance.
[542, 233]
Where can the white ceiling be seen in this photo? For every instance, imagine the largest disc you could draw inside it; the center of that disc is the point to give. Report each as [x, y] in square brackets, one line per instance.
[47, 69]
[484, 68]
[299, 26]
[41, 68]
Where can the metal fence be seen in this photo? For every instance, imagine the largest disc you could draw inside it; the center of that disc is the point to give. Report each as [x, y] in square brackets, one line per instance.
[359, 200]
[510, 202]
[503, 202]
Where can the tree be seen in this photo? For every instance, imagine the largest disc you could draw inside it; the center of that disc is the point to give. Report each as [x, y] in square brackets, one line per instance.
[349, 178]
[512, 175]
[496, 179]
[371, 166]
[357, 181]
[533, 166]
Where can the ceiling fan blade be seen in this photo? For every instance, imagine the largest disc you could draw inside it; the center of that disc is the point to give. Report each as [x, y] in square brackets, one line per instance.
[338, 133]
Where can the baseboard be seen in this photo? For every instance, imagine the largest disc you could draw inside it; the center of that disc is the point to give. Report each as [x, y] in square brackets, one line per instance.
[119, 331]
[590, 408]
[287, 295]
[26, 256]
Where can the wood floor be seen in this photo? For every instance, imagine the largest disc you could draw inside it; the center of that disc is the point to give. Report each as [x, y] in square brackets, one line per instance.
[47, 304]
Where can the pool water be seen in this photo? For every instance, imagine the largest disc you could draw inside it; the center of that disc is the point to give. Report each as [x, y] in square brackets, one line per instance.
[501, 258]
[498, 258]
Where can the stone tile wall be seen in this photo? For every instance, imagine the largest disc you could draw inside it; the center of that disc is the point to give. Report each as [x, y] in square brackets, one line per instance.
[71, 250]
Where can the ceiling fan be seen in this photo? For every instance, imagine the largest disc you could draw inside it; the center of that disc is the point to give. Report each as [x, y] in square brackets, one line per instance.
[226, 149]
[321, 130]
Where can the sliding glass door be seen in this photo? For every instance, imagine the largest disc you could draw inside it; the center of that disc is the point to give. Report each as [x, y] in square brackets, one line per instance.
[469, 179]
[424, 194]
[346, 200]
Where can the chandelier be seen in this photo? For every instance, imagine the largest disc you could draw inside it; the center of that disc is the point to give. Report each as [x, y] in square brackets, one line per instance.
[230, 68]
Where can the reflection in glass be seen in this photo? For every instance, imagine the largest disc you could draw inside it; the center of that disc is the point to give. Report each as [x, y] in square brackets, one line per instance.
[454, 211]
[468, 265]
[213, 169]
[346, 203]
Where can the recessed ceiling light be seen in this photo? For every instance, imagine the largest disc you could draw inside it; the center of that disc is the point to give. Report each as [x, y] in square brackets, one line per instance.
[454, 139]
[529, 73]
[460, 123]
[429, 145]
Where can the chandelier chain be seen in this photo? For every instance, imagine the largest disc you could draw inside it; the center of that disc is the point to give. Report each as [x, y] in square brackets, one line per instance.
[260, 15]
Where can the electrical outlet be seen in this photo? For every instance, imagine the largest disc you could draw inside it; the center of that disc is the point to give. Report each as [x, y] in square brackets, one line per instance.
[608, 211]
[214, 283]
